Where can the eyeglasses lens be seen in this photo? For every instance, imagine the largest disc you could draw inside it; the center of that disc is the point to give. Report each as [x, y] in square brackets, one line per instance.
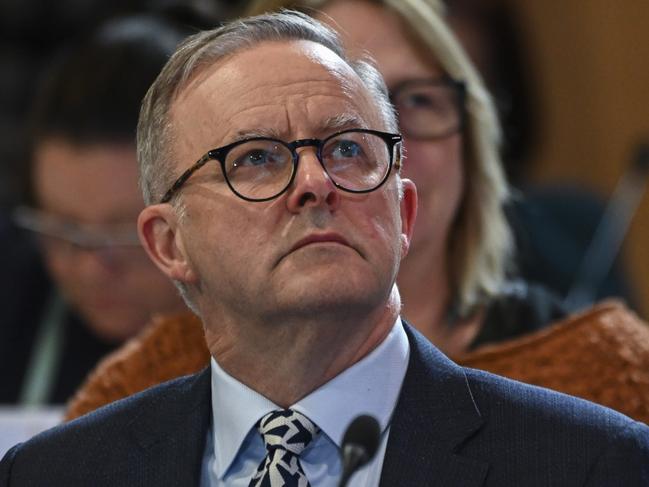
[429, 111]
[259, 169]
[262, 168]
[356, 161]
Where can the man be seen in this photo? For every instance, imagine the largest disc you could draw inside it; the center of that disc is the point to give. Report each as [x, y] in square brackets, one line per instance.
[83, 208]
[286, 237]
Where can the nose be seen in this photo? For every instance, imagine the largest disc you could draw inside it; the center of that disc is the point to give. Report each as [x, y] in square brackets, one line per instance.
[312, 185]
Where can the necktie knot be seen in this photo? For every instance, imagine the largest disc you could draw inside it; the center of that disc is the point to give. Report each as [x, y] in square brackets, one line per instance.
[287, 430]
[286, 433]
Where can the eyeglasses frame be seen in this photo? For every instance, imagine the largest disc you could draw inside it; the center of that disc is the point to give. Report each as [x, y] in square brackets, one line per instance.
[26, 218]
[221, 153]
[460, 88]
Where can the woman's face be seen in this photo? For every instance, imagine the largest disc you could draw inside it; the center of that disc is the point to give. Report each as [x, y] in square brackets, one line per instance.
[434, 165]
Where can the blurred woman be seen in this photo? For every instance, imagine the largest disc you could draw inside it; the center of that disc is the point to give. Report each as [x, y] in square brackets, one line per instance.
[453, 282]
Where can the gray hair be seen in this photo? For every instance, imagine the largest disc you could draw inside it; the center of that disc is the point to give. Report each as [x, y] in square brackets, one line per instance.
[155, 132]
[480, 243]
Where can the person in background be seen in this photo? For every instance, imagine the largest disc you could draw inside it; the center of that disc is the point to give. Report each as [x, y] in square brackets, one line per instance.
[270, 168]
[455, 282]
[554, 224]
[82, 206]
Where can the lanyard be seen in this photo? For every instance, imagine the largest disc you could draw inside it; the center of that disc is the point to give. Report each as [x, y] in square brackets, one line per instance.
[45, 358]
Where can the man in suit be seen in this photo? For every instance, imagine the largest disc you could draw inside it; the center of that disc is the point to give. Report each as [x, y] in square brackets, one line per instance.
[285, 237]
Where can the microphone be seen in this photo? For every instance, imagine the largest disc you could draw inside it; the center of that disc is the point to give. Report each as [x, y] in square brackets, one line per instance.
[360, 443]
[610, 232]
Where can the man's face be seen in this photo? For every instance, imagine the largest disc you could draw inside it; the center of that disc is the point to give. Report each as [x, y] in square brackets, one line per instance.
[314, 249]
[436, 166]
[93, 189]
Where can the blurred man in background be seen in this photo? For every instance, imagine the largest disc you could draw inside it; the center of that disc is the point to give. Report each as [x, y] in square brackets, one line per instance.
[83, 201]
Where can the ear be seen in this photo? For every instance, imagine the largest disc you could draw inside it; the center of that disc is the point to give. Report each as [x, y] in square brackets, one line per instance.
[158, 229]
[408, 208]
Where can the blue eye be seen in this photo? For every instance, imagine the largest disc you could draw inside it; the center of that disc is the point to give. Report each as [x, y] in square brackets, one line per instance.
[257, 157]
[347, 149]
[420, 100]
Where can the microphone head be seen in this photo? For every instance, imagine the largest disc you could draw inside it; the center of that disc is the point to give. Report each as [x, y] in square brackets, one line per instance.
[364, 432]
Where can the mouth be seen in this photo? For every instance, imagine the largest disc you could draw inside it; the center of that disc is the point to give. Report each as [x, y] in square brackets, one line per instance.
[320, 238]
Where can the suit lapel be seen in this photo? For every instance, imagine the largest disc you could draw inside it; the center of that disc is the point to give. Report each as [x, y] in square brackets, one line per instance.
[435, 414]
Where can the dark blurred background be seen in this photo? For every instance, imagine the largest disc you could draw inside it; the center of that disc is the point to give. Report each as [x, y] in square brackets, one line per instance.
[31, 31]
[587, 62]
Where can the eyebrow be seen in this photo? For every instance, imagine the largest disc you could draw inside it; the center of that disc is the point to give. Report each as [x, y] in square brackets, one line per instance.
[260, 132]
[331, 124]
[343, 121]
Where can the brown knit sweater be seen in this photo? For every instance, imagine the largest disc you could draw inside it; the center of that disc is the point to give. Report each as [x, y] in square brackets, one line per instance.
[601, 354]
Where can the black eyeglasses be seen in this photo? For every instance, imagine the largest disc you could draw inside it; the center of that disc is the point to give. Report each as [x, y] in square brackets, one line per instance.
[262, 168]
[430, 108]
[116, 243]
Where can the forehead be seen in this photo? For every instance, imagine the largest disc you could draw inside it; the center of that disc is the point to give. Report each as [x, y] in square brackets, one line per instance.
[289, 89]
[380, 31]
[91, 183]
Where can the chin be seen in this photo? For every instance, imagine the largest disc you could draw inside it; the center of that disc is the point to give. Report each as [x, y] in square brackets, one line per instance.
[341, 290]
[114, 326]
[328, 308]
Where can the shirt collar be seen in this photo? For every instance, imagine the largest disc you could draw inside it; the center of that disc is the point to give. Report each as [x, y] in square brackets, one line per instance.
[371, 386]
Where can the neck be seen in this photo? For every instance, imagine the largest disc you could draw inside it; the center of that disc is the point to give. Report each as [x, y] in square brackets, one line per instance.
[423, 283]
[318, 349]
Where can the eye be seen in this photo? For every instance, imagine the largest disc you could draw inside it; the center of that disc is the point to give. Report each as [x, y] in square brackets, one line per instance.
[257, 157]
[438, 101]
[344, 149]
[419, 100]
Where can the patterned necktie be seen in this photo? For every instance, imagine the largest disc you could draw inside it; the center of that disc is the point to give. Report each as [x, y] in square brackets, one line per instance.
[286, 433]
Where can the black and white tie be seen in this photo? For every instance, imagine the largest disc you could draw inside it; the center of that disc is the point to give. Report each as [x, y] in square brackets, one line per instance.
[286, 433]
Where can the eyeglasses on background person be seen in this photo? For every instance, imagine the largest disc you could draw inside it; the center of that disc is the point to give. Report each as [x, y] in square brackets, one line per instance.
[114, 243]
[429, 108]
[262, 168]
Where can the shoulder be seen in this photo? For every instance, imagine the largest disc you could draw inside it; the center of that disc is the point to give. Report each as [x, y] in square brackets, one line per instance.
[521, 431]
[521, 307]
[591, 437]
[600, 354]
[498, 396]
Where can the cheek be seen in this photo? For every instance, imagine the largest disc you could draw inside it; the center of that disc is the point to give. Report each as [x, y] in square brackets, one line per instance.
[437, 169]
[383, 228]
[140, 273]
[434, 164]
[148, 289]
[61, 268]
[221, 245]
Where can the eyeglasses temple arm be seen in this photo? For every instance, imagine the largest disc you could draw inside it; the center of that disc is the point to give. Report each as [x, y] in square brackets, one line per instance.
[184, 177]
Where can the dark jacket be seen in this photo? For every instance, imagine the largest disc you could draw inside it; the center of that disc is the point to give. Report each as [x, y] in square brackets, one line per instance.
[452, 427]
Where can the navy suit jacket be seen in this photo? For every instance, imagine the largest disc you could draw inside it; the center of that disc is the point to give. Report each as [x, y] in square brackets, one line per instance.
[452, 427]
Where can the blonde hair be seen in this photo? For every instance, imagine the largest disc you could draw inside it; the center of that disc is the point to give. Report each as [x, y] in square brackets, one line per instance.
[480, 242]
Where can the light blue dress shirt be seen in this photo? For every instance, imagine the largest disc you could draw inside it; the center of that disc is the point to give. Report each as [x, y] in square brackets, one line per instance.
[234, 449]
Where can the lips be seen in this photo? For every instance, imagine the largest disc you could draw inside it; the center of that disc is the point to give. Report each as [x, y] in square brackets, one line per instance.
[319, 238]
